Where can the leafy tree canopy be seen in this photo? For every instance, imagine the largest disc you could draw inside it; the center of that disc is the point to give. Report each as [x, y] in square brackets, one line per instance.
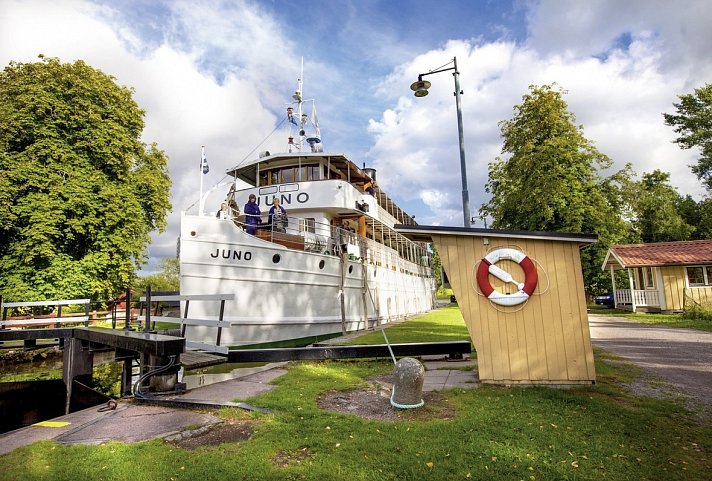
[167, 279]
[80, 192]
[657, 209]
[693, 121]
[550, 180]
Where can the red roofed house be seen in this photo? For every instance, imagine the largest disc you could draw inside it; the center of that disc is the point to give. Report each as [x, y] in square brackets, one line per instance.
[662, 277]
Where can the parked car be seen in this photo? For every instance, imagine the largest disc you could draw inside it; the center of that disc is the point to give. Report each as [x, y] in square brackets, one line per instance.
[606, 299]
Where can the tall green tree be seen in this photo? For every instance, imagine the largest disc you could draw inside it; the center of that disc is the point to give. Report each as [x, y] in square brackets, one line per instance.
[657, 209]
[703, 227]
[79, 191]
[167, 279]
[693, 122]
[550, 180]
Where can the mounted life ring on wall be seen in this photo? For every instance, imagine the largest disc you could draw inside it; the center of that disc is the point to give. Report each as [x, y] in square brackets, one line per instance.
[487, 266]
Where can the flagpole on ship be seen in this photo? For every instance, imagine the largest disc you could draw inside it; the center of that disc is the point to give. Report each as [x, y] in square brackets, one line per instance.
[203, 165]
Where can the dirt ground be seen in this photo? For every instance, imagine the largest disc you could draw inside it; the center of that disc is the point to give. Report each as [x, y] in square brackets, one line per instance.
[371, 402]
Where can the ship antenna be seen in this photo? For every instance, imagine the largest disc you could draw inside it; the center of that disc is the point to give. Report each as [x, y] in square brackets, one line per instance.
[290, 112]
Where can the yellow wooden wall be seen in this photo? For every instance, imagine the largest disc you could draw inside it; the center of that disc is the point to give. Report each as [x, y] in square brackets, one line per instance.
[673, 287]
[675, 290]
[701, 295]
[547, 341]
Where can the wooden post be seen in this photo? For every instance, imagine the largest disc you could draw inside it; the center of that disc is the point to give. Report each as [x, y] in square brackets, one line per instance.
[632, 290]
[126, 377]
[77, 364]
[127, 326]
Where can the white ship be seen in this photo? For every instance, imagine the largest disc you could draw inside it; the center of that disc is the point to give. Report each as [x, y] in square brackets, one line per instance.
[336, 266]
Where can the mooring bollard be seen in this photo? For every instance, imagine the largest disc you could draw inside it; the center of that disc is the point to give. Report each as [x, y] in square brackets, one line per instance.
[408, 384]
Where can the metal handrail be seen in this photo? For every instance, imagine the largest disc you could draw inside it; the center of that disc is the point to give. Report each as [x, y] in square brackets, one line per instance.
[325, 238]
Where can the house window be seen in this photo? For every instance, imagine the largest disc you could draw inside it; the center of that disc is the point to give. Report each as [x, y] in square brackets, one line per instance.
[698, 276]
[648, 277]
[644, 278]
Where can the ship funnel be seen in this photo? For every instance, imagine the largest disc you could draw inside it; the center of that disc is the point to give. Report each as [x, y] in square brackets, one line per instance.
[370, 172]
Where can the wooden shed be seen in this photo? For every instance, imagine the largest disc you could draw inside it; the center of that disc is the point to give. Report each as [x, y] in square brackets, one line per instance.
[664, 276]
[543, 339]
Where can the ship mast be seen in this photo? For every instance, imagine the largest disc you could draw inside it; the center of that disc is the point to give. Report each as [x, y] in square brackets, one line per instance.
[314, 140]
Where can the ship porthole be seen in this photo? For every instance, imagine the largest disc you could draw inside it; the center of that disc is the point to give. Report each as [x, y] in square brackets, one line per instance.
[351, 269]
[192, 233]
[276, 258]
[321, 264]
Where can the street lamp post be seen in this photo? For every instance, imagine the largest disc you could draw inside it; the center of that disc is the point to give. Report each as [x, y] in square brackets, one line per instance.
[421, 90]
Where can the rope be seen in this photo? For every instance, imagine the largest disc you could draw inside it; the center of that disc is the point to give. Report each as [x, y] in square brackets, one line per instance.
[110, 406]
[389, 347]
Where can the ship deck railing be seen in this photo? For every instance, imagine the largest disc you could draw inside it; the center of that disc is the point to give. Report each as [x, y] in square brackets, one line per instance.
[392, 250]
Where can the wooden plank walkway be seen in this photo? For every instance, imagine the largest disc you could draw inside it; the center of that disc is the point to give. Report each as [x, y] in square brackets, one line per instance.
[195, 359]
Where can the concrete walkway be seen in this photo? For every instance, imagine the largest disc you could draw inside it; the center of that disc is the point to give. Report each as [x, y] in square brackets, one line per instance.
[133, 422]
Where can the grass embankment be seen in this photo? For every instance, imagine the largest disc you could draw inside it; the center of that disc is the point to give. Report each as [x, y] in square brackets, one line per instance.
[669, 320]
[495, 433]
[441, 325]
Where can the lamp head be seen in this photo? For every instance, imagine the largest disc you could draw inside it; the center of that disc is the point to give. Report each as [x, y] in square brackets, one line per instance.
[420, 87]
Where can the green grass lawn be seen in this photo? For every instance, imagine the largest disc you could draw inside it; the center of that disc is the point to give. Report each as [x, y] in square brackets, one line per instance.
[445, 324]
[494, 433]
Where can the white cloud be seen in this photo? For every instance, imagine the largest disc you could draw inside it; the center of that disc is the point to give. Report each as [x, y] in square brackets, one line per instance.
[186, 105]
[617, 91]
[217, 74]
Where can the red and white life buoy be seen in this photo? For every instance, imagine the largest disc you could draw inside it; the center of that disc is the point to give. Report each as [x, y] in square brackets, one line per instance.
[524, 290]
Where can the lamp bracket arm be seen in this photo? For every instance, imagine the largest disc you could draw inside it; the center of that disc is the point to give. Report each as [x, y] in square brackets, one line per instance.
[420, 76]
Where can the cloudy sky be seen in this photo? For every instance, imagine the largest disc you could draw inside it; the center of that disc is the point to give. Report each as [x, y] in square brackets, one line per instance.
[218, 73]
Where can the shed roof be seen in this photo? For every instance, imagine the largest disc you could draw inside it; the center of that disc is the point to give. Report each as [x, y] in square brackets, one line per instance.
[424, 233]
[659, 254]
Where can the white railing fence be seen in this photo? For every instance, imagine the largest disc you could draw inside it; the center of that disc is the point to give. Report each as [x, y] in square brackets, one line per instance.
[638, 297]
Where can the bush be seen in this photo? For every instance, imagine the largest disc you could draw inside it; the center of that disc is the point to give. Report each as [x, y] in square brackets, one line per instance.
[698, 312]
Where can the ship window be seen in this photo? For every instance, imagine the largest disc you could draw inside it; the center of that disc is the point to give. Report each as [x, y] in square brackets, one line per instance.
[276, 258]
[321, 264]
[289, 187]
[303, 173]
[307, 225]
[275, 177]
[313, 172]
[351, 269]
[287, 175]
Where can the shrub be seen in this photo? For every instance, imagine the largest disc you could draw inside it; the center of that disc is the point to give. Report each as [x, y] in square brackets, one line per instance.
[698, 312]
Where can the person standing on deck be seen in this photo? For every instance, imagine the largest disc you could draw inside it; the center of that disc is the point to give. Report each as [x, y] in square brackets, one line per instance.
[253, 216]
[277, 216]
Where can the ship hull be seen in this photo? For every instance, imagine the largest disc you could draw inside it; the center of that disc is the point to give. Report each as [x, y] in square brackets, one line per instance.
[281, 294]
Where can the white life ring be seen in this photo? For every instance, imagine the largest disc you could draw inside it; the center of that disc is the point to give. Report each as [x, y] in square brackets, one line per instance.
[487, 266]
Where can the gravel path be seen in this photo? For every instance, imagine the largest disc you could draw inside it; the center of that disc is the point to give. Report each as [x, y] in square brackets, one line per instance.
[681, 357]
